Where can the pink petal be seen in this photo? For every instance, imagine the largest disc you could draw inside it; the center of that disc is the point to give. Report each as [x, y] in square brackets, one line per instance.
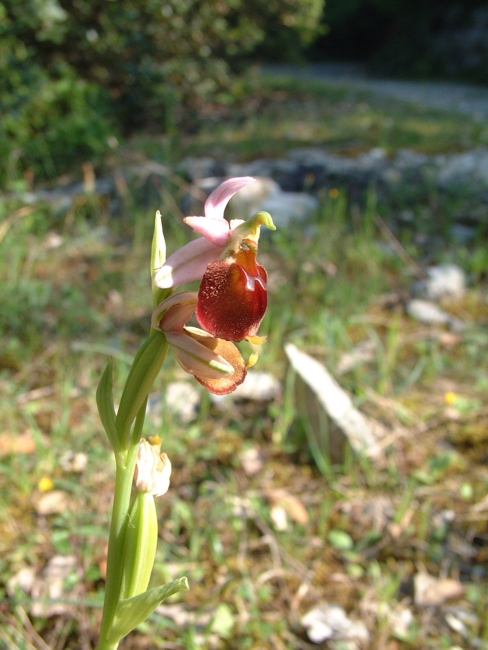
[186, 264]
[216, 202]
[214, 230]
[176, 318]
[174, 312]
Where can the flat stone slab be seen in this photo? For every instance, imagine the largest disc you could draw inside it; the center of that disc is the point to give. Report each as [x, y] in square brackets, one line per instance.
[328, 406]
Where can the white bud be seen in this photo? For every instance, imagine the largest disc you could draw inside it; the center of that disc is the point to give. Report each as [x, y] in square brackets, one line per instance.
[153, 469]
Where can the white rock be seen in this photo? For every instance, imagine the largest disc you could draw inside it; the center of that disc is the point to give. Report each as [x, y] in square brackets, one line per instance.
[251, 460]
[443, 281]
[459, 168]
[337, 405]
[258, 386]
[331, 622]
[279, 518]
[49, 593]
[265, 194]
[284, 207]
[249, 197]
[52, 502]
[428, 312]
[432, 592]
[182, 399]
[401, 621]
[23, 579]
[72, 462]
[361, 353]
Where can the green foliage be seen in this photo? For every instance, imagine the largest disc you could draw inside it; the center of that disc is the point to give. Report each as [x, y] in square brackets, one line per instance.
[49, 120]
[68, 67]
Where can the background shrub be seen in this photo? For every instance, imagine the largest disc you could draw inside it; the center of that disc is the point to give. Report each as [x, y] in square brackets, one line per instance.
[73, 70]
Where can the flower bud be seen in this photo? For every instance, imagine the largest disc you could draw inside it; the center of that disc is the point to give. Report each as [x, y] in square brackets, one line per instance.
[153, 469]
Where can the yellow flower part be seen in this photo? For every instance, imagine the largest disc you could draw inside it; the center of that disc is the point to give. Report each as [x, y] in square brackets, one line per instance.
[253, 358]
[45, 484]
[450, 398]
[333, 193]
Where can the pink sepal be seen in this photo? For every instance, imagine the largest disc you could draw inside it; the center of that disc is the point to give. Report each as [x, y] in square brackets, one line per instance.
[187, 264]
[174, 312]
[218, 199]
[214, 230]
[176, 318]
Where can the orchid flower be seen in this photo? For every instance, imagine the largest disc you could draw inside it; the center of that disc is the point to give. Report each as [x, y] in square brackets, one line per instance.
[214, 362]
[232, 298]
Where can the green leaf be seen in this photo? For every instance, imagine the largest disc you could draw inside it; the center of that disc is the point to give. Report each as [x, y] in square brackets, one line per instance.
[141, 539]
[223, 621]
[106, 407]
[340, 540]
[133, 611]
[142, 374]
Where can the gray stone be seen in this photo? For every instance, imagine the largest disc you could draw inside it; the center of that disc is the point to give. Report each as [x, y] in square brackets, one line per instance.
[321, 400]
[182, 399]
[443, 281]
[462, 233]
[331, 622]
[259, 386]
[467, 168]
[432, 592]
[428, 312]
[266, 194]
[194, 168]
[285, 207]
[247, 200]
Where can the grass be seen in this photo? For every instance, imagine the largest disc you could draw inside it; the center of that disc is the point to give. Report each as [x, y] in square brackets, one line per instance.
[74, 290]
[283, 113]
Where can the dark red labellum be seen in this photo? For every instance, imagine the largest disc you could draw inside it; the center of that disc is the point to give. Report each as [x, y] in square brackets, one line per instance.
[233, 297]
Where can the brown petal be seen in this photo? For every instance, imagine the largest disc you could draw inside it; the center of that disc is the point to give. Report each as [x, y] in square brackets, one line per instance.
[230, 353]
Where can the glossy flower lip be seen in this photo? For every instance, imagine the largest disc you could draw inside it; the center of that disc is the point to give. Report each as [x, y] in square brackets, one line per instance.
[233, 297]
[190, 261]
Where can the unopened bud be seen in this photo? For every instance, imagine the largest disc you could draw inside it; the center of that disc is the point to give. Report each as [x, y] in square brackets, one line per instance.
[153, 469]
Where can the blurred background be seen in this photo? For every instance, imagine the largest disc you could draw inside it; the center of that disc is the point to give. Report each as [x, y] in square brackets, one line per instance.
[366, 124]
[74, 74]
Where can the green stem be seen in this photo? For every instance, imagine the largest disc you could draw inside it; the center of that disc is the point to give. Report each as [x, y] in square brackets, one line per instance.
[102, 645]
[123, 486]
